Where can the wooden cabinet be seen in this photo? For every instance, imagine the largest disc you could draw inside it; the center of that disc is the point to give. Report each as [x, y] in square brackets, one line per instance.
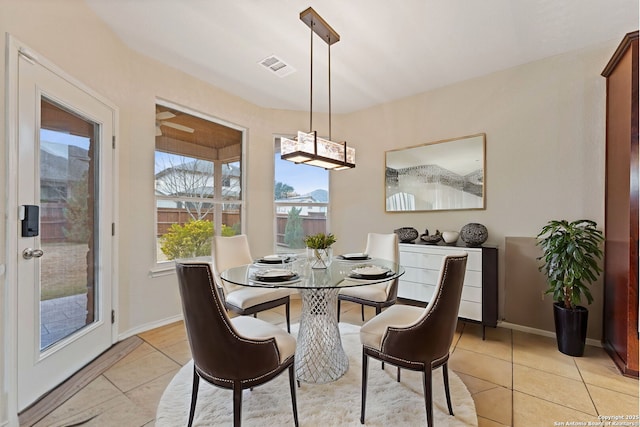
[480, 292]
[620, 329]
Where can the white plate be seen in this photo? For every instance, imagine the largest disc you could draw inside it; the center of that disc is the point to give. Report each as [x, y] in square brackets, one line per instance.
[274, 257]
[370, 270]
[275, 272]
[356, 255]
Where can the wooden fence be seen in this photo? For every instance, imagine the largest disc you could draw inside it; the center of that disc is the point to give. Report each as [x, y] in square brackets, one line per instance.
[168, 216]
[312, 224]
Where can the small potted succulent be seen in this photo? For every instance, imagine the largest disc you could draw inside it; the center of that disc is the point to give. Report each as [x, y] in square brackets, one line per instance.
[319, 251]
[571, 252]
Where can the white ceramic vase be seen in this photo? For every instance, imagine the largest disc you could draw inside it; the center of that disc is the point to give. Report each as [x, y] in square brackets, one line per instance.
[450, 236]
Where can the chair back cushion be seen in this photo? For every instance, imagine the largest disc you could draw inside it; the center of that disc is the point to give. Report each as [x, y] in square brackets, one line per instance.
[219, 353]
[230, 252]
[385, 246]
[430, 337]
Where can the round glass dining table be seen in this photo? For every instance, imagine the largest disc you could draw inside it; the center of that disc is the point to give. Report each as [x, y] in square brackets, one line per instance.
[319, 357]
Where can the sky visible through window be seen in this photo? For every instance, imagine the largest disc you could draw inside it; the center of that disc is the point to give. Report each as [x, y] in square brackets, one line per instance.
[303, 178]
[57, 142]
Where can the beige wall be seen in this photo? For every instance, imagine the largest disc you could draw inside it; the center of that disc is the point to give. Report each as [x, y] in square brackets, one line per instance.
[545, 146]
[545, 130]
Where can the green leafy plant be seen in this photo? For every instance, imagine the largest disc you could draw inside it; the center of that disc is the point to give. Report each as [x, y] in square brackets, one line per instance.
[293, 231]
[571, 255]
[191, 239]
[319, 241]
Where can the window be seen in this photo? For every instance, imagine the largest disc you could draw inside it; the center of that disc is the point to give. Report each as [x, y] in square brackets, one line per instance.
[198, 183]
[301, 199]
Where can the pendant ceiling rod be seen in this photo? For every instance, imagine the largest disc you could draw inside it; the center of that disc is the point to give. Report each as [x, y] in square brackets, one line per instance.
[308, 148]
[311, 84]
[330, 36]
[329, 91]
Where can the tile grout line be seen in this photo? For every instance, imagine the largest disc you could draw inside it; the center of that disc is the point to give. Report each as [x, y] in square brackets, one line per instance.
[52, 400]
[513, 386]
[585, 386]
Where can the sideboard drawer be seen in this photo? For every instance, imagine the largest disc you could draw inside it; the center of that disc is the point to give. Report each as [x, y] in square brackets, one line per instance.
[419, 260]
[470, 310]
[422, 265]
[421, 275]
[471, 293]
[415, 291]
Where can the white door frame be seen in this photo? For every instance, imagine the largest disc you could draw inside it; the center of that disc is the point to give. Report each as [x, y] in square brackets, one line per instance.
[13, 49]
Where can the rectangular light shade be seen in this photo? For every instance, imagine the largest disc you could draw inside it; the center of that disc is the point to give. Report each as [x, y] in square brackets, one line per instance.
[309, 149]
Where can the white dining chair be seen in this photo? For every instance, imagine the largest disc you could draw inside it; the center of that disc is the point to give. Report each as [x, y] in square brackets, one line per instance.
[380, 295]
[234, 251]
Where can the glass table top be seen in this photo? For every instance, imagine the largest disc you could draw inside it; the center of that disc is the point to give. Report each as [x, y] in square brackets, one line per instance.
[298, 274]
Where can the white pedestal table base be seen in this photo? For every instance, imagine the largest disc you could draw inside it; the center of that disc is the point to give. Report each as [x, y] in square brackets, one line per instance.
[320, 357]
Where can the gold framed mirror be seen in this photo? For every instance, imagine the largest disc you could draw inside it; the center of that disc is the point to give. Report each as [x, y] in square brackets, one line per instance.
[440, 175]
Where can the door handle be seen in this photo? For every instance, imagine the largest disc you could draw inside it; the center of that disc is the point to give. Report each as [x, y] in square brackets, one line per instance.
[29, 253]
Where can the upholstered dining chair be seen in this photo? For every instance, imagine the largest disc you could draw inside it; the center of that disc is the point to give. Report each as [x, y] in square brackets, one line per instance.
[380, 295]
[418, 338]
[234, 251]
[235, 354]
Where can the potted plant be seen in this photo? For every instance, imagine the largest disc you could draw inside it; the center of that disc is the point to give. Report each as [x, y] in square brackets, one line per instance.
[571, 252]
[319, 252]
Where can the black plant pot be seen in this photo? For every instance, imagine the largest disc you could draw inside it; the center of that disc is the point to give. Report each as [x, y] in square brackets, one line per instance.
[571, 328]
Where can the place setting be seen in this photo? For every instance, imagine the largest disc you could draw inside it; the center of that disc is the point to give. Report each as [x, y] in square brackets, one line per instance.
[354, 257]
[369, 272]
[280, 276]
[274, 259]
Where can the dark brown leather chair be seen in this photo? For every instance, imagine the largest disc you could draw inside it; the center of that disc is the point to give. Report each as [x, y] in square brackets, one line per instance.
[418, 338]
[232, 252]
[235, 354]
[380, 295]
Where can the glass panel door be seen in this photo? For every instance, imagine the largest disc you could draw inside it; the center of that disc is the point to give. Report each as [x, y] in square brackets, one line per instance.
[67, 194]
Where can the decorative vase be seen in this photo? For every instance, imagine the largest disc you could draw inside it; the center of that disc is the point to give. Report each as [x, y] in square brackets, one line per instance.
[319, 258]
[474, 234]
[431, 239]
[450, 237]
[406, 234]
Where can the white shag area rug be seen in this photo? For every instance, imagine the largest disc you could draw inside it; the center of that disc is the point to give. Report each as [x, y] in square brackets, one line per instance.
[333, 404]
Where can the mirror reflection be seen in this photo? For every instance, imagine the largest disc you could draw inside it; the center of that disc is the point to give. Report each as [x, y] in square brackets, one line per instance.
[441, 175]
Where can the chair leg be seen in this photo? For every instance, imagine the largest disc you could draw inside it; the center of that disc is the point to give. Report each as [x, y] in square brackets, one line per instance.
[378, 310]
[194, 396]
[338, 310]
[445, 376]
[398, 376]
[237, 404]
[365, 369]
[292, 386]
[362, 305]
[428, 402]
[287, 310]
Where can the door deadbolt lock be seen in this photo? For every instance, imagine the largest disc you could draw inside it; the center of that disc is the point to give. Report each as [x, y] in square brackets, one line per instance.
[32, 253]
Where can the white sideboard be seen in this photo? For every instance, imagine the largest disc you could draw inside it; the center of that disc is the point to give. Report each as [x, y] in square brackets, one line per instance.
[480, 291]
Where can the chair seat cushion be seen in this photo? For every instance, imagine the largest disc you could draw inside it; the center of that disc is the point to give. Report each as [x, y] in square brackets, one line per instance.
[252, 328]
[246, 297]
[372, 332]
[375, 293]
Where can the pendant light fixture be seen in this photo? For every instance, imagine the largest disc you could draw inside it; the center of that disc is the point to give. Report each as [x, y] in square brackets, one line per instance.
[308, 148]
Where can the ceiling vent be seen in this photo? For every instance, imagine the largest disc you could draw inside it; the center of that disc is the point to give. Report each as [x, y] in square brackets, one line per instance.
[277, 66]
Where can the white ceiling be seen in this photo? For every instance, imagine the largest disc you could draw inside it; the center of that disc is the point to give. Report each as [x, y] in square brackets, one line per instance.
[388, 49]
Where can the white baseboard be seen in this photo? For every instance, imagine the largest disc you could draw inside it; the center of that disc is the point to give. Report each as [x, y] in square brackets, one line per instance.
[542, 332]
[148, 326]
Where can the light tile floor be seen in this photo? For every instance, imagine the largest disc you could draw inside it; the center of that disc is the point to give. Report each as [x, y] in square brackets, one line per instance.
[515, 379]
